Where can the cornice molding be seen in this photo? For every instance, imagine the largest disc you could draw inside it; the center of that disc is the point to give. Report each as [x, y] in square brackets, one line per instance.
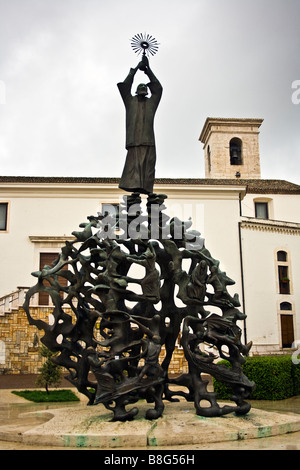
[229, 122]
[290, 228]
[49, 239]
[188, 189]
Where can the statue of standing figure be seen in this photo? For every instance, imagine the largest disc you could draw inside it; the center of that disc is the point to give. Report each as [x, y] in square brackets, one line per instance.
[139, 170]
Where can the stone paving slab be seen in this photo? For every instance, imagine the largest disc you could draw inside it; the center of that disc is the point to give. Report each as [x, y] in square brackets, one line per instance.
[91, 426]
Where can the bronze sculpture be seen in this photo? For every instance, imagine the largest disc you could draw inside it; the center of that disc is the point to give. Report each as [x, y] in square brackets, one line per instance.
[125, 364]
[139, 170]
[139, 328]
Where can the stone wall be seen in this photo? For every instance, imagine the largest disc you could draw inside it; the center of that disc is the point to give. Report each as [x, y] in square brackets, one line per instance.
[19, 344]
[20, 353]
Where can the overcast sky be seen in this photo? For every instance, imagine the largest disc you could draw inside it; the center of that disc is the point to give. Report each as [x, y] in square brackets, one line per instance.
[60, 60]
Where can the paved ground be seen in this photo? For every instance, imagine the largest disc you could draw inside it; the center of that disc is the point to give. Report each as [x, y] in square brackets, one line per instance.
[23, 381]
[12, 406]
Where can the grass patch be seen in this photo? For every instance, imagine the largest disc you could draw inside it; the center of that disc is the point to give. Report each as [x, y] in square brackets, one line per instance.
[41, 396]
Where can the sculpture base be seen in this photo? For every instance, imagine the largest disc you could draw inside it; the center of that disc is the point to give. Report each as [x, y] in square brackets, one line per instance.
[91, 427]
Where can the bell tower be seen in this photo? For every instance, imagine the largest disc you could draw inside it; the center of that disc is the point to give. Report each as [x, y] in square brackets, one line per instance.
[231, 148]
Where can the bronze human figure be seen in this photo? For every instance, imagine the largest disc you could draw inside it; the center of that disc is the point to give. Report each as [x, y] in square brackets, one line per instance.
[139, 170]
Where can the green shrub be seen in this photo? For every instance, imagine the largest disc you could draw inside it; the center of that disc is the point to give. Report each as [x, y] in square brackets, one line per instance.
[50, 373]
[296, 378]
[276, 378]
[272, 376]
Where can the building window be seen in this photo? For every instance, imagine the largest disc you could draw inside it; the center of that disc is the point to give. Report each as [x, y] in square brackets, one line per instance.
[235, 148]
[283, 272]
[261, 210]
[282, 256]
[49, 259]
[285, 306]
[110, 208]
[286, 310]
[209, 158]
[3, 216]
[287, 330]
[284, 282]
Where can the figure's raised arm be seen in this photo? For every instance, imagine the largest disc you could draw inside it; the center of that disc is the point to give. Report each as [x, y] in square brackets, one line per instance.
[125, 86]
[154, 84]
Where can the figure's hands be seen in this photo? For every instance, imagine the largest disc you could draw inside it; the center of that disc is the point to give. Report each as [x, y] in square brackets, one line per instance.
[145, 61]
[144, 64]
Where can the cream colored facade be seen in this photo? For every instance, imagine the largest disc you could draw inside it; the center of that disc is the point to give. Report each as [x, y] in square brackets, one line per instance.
[44, 212]
[264, 303]
[251, 225]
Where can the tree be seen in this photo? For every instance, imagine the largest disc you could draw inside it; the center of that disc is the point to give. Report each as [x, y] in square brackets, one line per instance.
[50, 373]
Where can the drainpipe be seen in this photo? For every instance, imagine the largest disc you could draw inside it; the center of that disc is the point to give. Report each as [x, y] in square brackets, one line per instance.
[242, 271]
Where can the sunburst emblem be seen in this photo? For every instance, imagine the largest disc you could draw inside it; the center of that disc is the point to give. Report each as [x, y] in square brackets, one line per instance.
[144, 43]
